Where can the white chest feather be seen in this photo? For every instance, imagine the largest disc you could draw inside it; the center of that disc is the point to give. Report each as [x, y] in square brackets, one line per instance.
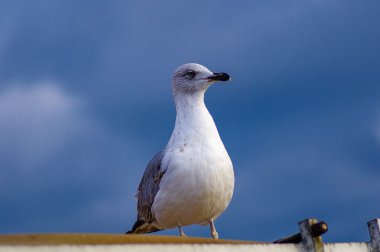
[199, 179]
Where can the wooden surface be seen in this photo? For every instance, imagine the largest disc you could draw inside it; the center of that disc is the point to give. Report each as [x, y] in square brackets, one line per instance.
[56, 239]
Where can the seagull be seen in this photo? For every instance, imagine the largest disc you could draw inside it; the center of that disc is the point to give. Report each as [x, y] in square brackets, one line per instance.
[191, 181]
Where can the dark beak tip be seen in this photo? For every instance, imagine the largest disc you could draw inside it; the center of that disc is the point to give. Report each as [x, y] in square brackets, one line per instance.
[220, 77]
[224, 77]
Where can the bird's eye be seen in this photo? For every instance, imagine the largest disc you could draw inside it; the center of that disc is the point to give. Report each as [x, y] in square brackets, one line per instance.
[189, 75]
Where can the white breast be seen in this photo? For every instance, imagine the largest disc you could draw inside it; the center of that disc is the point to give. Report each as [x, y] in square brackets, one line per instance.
[199, 179]
[196, 188]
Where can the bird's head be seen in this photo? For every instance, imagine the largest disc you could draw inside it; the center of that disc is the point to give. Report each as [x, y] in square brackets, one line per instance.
[192, 77]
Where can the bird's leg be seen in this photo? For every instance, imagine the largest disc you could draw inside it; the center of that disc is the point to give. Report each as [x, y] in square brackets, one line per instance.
[181, 233]
[214, 234]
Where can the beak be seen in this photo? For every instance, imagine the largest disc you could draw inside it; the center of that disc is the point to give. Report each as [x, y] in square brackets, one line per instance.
[219, 77]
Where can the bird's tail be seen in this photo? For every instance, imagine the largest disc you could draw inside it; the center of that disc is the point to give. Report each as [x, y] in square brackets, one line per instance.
[142, 227]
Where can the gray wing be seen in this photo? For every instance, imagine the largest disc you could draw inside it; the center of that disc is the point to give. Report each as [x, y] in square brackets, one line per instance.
[146, 192]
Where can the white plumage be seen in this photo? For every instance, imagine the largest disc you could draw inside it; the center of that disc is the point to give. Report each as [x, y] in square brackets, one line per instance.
[194, 172]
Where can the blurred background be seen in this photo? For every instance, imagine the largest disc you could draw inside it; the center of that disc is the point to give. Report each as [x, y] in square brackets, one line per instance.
[85, 102]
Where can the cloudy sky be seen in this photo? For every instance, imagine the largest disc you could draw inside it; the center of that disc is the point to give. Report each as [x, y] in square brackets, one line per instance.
[85, 102]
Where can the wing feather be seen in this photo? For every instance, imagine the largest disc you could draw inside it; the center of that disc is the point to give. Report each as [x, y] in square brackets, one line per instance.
[146, 192]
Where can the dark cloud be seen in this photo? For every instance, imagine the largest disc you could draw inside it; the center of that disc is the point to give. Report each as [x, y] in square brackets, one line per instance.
[300, 118]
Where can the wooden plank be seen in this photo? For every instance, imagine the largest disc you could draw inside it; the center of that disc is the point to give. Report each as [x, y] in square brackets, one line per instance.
[77, 239]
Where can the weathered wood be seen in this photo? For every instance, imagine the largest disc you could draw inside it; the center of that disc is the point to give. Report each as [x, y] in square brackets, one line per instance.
[310, 243]
[317, 229]
[374, 232]
[56, 239]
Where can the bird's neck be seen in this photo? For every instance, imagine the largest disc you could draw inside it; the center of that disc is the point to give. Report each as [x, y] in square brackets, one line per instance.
[193, 120]
[189, 103]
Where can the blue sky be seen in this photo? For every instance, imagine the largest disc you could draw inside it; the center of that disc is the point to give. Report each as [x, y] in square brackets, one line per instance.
[85, 102]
